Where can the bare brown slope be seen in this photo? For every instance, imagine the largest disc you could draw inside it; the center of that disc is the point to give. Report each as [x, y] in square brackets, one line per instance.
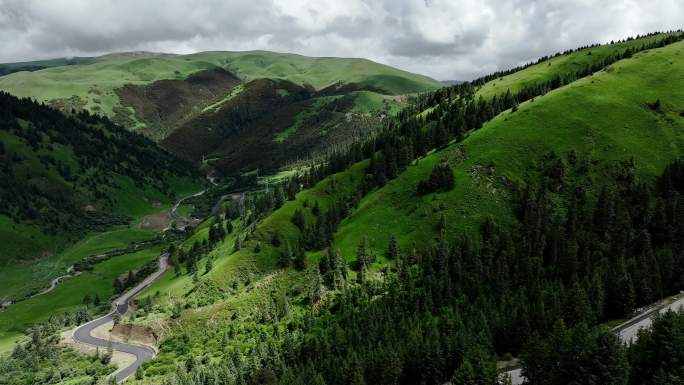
[241, 134]
[166, 104]
[206, 132]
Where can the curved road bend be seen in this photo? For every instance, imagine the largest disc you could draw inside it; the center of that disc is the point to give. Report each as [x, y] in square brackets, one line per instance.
[142, 354]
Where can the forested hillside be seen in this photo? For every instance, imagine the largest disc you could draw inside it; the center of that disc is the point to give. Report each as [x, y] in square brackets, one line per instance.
[267, 123]
[515, 216]
[473, 228]
[63, 176]
[103, 85]
[236, 111]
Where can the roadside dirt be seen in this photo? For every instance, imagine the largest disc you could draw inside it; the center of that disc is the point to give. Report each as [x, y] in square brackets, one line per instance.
[134, 334]
[157, 222]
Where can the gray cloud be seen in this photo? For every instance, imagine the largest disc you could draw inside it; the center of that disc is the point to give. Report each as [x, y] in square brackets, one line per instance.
[445, 39]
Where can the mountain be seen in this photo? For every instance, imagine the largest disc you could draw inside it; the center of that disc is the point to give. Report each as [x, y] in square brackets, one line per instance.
[64, 176]
[552, 212]
[493, 219]
[267, 123]
[451, 82]
[94, 85]
[37, 65]
[179, 99]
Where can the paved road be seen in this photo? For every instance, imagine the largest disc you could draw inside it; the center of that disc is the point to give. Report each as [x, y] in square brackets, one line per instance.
[83, 333]
[57, 281]
[627, 331]
[182, 223]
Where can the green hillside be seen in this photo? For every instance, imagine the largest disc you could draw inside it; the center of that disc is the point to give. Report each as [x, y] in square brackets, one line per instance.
[605, 116]
[65, 177]
[565, 65]
[36, 65]
[629, 115]
[469, 230]
[93, 85]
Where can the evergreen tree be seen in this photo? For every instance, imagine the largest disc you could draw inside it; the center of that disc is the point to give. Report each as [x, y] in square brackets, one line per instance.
[393, 248]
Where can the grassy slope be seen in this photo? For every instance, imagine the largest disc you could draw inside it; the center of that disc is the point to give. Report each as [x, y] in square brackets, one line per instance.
[21, 278]
[395, 208]
[94, 83]
[68, 295]
[604, 115]
[368, 101]
[23, 271]
[227, 262]
[559, 65]
[7, 68]
[318, 72]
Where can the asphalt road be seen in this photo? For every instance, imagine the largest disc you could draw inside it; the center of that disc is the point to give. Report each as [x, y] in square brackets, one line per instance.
[627, 331]
[142, 354]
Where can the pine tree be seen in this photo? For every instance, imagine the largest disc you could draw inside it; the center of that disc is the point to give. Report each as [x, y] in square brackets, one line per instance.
[298, 219]
[300, 259]
[285, 257]
[393, 248]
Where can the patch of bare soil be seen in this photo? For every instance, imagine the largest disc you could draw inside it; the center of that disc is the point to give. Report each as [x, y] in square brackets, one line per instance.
[158, 221]
[136, 334]
[396, 98]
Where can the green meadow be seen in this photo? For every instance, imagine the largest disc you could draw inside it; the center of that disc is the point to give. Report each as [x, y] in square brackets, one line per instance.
[69, 294]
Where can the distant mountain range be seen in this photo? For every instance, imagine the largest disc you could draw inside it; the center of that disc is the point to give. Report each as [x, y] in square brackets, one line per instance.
[219, 105]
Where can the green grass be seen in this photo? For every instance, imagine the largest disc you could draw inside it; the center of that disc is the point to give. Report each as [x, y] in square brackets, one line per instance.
[93, 84]
[137, 202]
[318, 72]
[185, 210]
[604, 116]
[217, 106]
[22, 277]
[21, 239]
[367, 102]
[69, 294]
[564, 64]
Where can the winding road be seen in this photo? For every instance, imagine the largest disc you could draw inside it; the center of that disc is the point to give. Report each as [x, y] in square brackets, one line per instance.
[183, 222]
[83, 333]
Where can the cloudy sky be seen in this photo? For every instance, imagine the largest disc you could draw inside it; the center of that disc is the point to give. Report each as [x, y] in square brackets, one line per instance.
[446, 39]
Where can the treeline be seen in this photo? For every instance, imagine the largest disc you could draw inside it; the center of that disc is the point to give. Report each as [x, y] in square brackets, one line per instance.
[436, 118]
[134, 277]
[595, 355]
[499, 74]
[317, 233]
[447, 312]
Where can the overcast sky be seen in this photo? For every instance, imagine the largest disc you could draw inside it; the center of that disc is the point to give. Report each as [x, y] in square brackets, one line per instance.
[445, 39]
